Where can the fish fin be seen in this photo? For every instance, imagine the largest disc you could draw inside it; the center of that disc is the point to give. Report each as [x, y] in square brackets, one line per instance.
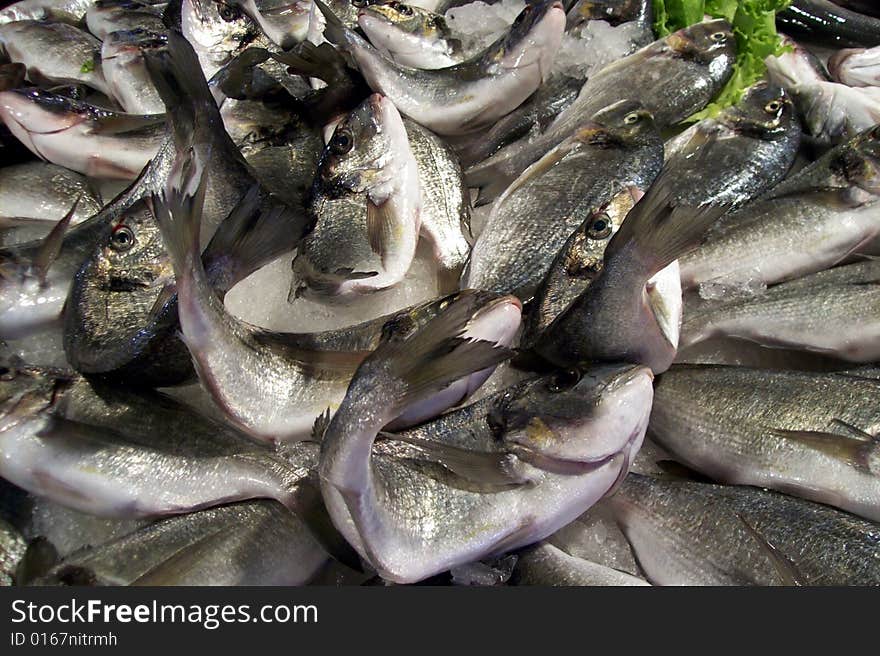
[168, 291]
[785, 567]
[658, 230]
[380, 226]
[306, 59]
[50, 247]
[235, 78]
[308, 504]
[178, 210]
[855, 451]
[40, 556]
[521, 534]
[319, 428]
[122, 123]
[482, 467]
[537, 169]
[432, 358]
[335, 30]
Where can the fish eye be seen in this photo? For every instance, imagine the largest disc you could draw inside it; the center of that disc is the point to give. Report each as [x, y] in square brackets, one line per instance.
[228, 13]
[341, 142]
[564, 380]
[122, 239]
[600, 228]
[405, 10]
[772, 107]
[631, 119]
[718, 37]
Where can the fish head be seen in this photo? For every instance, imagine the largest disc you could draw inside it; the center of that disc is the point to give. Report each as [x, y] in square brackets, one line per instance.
[764, 111]
[33, 111]
[28, 393]
[221, 28]
[614, 12]
[533, 38]
[118, 292]
[858, 161]
[360, 156]
[625, 122]
[710, 43]
[574, 415]
[380, 17]
[132, 43]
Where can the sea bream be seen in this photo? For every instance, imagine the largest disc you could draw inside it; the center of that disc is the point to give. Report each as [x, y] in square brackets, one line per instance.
[107, 16]
[126, 73]
[475, 93]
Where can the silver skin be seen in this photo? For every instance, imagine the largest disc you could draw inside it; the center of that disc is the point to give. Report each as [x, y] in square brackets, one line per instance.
[618, 148]
[93, 141]
[809, 222]
[752, 146]
[131, 462]
[446, 207]
[36, 190]
[413, 519]
[796, 432]
[104, 18]
[292, 382]
[833, 312]
[285, 22]
[545, 564]
[830, 112]
[856, 67]
[34, 286]
[686, 533]
[55, 52]
[12, 549]
[248, 543]
[475, 93]
[126, 73]
[672, 77]
[69, 11]
[366, 203]
[410, 36]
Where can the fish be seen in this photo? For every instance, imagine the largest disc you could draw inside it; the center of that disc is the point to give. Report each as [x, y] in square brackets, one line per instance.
[55, 53]
[126, 73]
[35, 277]
[217, 31]
[471, 95]
[35, 190]
[802, 433]
[296, 382]
[285, 22]
[536, 113]
[809, 222]
[12, 550]
[410, 36]
[866, 7]
[246, 543]
[751, 146]
[498, 474]
[107, 16]
[614, 12]
[12, 76]
[675, 77]
[69, 11]
[84, 138]
[688, 533]
[826, 23]
[856, 67]
[446, 208]
[830, 112]
[576, 265]
[366, 205]
[544, 564]
[631, 309]
[132, 461]
[831, 312]
[618, 148]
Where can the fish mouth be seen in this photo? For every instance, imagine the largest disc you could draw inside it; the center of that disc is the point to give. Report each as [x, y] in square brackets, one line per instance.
[25, 118]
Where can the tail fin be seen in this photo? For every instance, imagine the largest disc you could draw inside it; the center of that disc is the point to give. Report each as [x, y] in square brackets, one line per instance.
[249, 238]
[433, 357]
[659, 230]
[178, 211]
[50, 249]
[335, 30]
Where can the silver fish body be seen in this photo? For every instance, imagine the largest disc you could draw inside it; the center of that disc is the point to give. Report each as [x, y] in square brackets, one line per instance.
[126, 73]
[545, 564]
[686, 533]
[69, 11]
[36, 190]
[104, 18]
[859, 67]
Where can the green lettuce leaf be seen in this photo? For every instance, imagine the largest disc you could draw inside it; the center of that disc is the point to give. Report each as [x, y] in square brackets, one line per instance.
[754, 26]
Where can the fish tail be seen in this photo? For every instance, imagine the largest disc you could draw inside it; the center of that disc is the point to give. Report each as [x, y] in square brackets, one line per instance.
[659, 229]
[335, 30]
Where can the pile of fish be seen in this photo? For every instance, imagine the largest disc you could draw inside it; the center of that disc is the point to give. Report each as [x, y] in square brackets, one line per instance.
[361, 292]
